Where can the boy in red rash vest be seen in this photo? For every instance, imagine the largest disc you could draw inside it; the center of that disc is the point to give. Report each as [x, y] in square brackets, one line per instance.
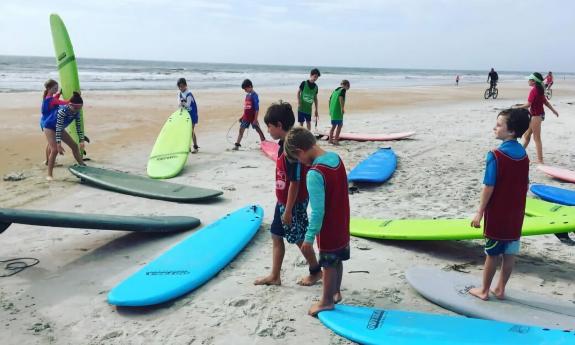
[503, 200]
[250, 115]
[329, 220]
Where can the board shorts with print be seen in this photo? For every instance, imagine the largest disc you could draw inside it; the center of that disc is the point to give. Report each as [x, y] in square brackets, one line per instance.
[295, 232]
[247, 124]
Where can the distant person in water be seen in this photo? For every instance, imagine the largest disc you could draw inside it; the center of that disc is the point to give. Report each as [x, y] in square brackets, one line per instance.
[306, 98]
[55, 130]
[457, 80]
[50, 103]
[188, 102]
[337, 110]
[250, 115]
[502, 203]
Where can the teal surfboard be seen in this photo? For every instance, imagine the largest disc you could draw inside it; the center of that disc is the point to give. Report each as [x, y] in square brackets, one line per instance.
[379, 326]
[190, 263]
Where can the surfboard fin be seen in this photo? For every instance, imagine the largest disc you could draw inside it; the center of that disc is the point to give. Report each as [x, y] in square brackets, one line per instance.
[4, 226]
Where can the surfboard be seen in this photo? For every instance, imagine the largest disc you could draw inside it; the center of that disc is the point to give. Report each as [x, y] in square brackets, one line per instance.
[141, 186]
[190, 263]
[366, 325]
[447, 229]
[540, 208]
[558, 173]
[450, 291]
[270, 149]
[376, 168]
[67, 67]
[554, 194]
[170, 152]
[96, 221]
[372, 137]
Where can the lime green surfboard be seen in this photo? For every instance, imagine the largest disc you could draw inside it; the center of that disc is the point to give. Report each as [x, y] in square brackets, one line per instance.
[67, 67]
[448, 229]
[542, 208]
[170, 152]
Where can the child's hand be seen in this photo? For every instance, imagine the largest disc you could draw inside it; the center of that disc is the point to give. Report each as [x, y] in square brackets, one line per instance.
[316, 114]
[60, 149]
[556, 113]
[476, 222]
[286, 217]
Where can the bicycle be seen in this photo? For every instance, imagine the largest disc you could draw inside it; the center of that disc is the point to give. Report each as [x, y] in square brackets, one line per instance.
[492, 91]
[548, 92]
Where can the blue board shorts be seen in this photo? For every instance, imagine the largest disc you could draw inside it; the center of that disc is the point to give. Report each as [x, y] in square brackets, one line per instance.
[294, 233]
[336, 122]
[496, 247]
[247, 124]
[194, 117]
[331, 259]
[303, 117]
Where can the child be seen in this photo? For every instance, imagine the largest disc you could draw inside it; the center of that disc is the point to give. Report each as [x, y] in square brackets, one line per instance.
[336, 111]
[329, 222]
[54, 128]
[290, 217]
[503, 200]
[188, 101]
[251, 111]
[306, 96]
[457, 80]
[50, 103]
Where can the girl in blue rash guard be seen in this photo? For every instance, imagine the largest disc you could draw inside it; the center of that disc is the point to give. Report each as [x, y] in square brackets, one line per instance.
[54, 129]
[50, 103]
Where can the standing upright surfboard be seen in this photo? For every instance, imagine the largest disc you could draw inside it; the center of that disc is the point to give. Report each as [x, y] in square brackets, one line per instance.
[170, 152]
[67, 67]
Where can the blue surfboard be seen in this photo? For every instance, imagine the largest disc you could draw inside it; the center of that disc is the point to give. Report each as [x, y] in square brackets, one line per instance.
[554, 194]
[377, 168]
[378, 326]
[191, 262]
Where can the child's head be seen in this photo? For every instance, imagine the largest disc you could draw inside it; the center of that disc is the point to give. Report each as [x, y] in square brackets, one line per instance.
[50, 87]
[182, 84]
[279, 118]
[298, 145]
[536, 79]
[76, 101]
[314, 75]
[247, 85]
[511, 124]
[345, 84]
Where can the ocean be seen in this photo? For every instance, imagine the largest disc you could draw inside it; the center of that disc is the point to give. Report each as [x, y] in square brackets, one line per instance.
[25, 73]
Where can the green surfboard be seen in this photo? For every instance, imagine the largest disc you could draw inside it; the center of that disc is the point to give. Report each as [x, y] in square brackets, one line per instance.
[448, 229]
[542, 208]
[67, 67]
[170, 152]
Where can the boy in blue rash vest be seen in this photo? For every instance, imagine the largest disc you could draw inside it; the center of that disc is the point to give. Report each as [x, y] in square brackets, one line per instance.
[250, 115]
[306, 97]
[290, 217]
[329, 221]
[502, 201]
[188, 102]
[337, 110]
[54, 128]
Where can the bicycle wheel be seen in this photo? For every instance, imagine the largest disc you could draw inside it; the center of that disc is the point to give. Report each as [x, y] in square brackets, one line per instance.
[487, 93]
[549, 93]
[495, 93]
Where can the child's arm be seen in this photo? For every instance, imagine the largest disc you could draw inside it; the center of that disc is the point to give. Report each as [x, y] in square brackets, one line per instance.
[316, 105]
[342, 104]
[548, 105]
[485, 196]
[292, 196]
[256, 105]
[298, 98]
[316, 189]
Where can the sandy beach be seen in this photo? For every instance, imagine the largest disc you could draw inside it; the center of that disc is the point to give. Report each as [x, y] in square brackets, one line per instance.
[62, 300]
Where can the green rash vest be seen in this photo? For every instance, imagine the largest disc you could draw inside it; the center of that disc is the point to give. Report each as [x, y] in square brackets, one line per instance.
[334, 106]
[307, 97]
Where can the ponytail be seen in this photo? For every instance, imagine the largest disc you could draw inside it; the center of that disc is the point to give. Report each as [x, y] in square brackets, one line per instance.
[539, 82]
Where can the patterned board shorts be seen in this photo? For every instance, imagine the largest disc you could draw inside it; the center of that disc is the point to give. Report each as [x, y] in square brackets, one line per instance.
[495, 247]
[294, 233]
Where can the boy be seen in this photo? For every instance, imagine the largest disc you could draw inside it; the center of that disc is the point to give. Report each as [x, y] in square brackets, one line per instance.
[290, 217]
[188, 101]
[306, 96]
[503, 200]
[336, 111]
[329, 222]
[251, 111]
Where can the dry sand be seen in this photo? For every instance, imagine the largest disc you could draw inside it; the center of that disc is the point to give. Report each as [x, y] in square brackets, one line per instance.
[62, 300]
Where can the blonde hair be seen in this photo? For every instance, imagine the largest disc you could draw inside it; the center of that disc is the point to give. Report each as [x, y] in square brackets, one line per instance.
[298, 138]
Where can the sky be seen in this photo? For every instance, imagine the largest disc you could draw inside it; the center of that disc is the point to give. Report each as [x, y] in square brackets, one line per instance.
[428, 34]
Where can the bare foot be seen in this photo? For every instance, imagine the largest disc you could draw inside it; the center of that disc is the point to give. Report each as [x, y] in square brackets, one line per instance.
[269, 280]
[330, 141]
[498, 293]
[337, 297]
[316, 308]
[478, 292]
[49, 178]
[310, 280]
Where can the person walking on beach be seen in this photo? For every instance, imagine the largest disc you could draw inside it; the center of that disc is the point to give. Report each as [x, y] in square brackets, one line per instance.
[492, 78]
[535, 102]
[502, 203]
[250, 115]
[290, 216]
[188, 102]
[337, 110]
[329, 221]
[50, 103]
[457, 80]
[306, 97]
[54, 128]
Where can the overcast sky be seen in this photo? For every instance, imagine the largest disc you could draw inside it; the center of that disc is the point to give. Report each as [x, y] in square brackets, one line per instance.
[446, 34]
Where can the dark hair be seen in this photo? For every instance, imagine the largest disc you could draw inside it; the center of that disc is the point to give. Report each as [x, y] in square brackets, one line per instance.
[539, 85]
[517, 120]
[298, 138]
[280, 113]
[247, 83]
[315, 71]
[345, 82]
[48, 85]
[182, 81]
[76, 98]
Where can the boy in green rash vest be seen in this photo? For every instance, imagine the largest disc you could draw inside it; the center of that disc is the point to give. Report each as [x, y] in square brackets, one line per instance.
[336, 111]
[306, 97]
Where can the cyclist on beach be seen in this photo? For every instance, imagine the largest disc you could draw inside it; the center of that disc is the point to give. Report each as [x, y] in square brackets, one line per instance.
[494, 77]
[549, 80]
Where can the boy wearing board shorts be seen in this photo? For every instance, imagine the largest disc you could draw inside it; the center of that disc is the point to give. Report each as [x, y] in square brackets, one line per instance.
[306, 97]
[250, 115]
[336, 111]
[329, 221]
[290, 217]
[188, 102]
[503, 201]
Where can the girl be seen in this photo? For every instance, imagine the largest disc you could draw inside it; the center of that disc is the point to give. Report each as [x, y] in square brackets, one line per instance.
[50, 103]
[54, 127]
[535, 103]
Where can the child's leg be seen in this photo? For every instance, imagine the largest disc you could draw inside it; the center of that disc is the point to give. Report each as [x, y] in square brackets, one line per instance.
[527, 137]
[338, 130]
[278, 257]
[47, 154]
[314, 269]
[488, 273]
[53, 151]
[240, 135]
[73, 146]
[194, 140]
[308, 124]
[337, 295]
[259, 130]
[330, 280]
[506, 269]
[330, 138]
[536, 128]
